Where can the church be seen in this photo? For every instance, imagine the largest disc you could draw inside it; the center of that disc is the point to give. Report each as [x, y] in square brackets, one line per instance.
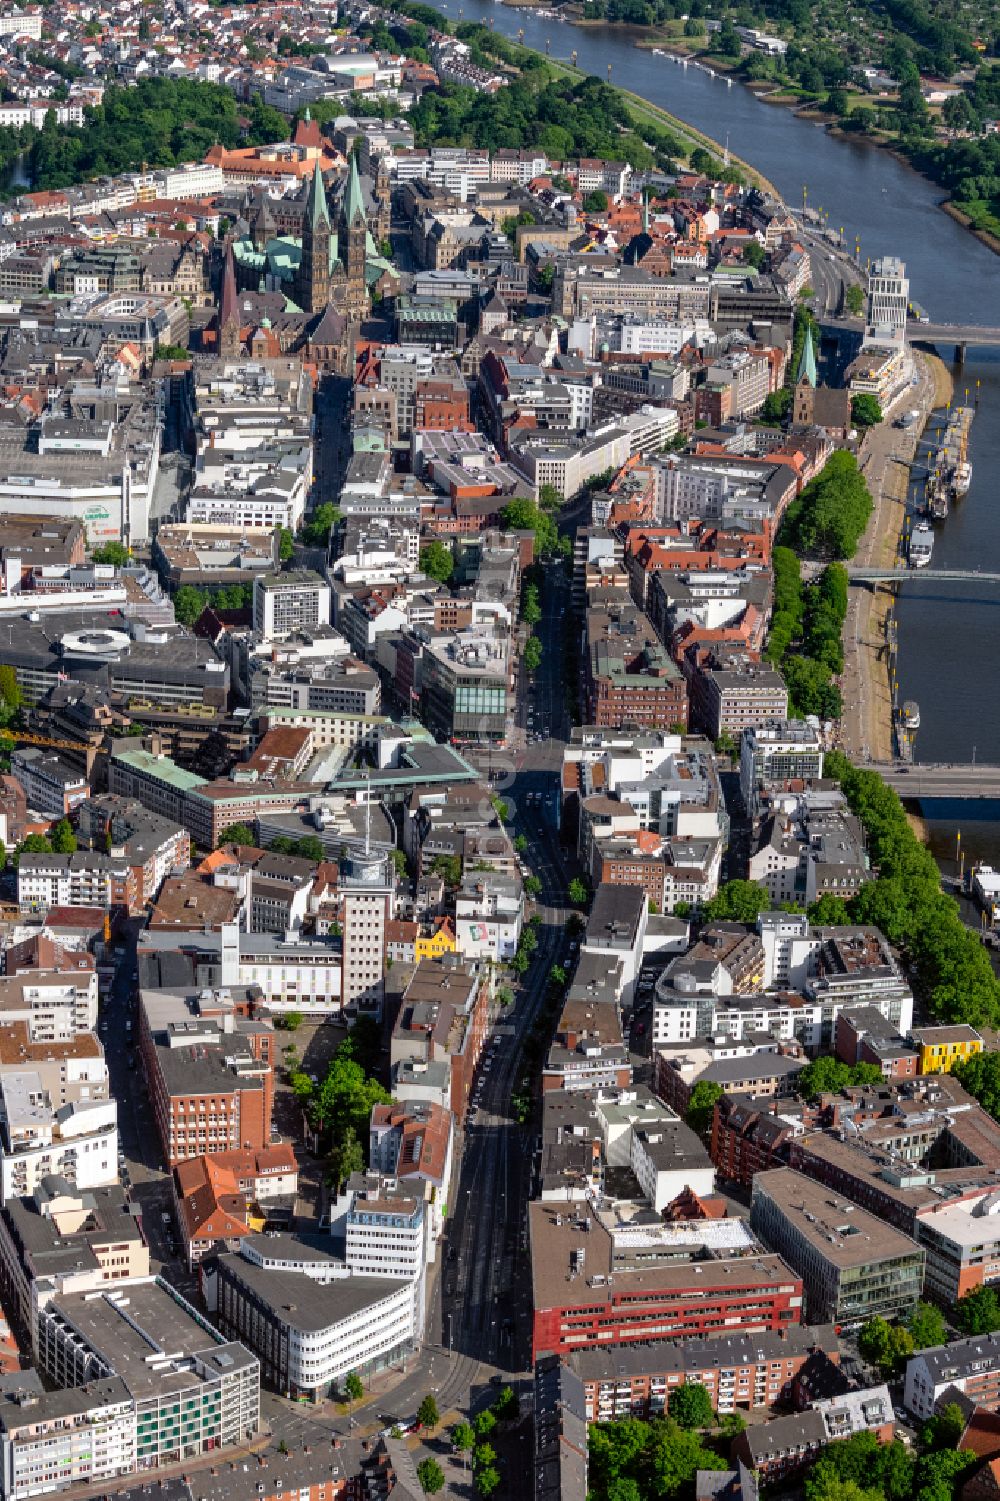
[815, 404]
[306, 289]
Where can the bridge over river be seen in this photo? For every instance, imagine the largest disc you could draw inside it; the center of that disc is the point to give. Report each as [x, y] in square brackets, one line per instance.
[921, 781]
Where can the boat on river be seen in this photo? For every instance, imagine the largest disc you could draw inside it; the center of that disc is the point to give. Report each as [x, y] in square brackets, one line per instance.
[921, 545]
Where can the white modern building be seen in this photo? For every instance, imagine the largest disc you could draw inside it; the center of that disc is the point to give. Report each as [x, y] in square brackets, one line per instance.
[308, 1319]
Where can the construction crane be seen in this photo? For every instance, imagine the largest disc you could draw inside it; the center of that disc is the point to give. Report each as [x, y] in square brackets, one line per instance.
[20, 738]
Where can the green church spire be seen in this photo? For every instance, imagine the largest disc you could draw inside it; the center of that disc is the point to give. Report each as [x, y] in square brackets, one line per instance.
[354, 203]
[807, 362]
[316, 210]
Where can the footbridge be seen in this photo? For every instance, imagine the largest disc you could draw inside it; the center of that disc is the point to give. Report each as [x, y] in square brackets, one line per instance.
[919, 780]
[920, 575]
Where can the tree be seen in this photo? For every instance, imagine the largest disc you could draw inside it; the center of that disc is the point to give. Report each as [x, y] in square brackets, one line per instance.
[316, 532]
[437, 561]
[829, 911]
[595, 202]
[430, 1475]
[533, 886]
[487, 1481]
[483, 1424]
[353, 1389]
[189, 604]
[346, 1157]
[399, 863]
[828, 1075]
[937, 1472]
[449, 868]
[854, 300]
[115, 553]
[754, 254]
[576, 892]
[505, 996]
[33, 844]
[483, 1456]
[978, 1312]
[945, 1428]
[690, 1406]
[427, 1413]
[885, 1345]
[236, 833]
[10, 693]
[462, 1438]
[699, 1114]
[533, 654]
[738, 901]
[927, 1326]
[286, 545]
[290, 1022]
[506, 1406]
[777, 405]
[62, 838]
[520, 844]
[549, 498]
[865, 410]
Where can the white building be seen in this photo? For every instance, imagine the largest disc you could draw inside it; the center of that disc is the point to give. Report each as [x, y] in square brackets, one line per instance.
[888, 300]
[308, 1319]
[78, 1140]
[668, 1159]
[284, 603]
[77, 1436]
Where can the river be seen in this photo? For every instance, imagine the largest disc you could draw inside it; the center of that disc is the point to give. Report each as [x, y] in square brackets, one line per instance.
[949, 658]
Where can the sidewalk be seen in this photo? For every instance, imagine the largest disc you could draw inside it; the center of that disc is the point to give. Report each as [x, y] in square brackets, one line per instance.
[867, 728]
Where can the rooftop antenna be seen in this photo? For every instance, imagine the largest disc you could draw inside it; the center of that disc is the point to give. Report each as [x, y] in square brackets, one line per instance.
[368, 811]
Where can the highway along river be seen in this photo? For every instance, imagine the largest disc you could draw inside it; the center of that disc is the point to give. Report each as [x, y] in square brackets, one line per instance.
[949, 635]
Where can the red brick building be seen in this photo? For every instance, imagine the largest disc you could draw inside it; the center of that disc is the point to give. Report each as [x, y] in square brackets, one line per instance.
[748, 1139]
[585, 1299]
[631, 677]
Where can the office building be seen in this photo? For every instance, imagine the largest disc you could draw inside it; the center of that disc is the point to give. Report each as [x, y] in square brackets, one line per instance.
[200, 1393]
[853, 1266]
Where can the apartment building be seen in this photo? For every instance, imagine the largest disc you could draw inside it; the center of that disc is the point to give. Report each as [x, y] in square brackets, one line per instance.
[740, 1372]
[970, 1366]
[50, 1441]
[88, 878]
[202, 1394]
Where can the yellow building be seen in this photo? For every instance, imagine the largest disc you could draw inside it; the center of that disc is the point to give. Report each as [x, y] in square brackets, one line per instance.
[434, 945]
[941, 1048]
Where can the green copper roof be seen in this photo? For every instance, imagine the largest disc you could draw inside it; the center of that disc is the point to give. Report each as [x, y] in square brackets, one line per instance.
[354, 203]
[807, 362]
[316, 211]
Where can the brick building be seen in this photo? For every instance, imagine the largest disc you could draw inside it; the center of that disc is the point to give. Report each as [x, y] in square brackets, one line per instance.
[584, 1299]
[631, 677]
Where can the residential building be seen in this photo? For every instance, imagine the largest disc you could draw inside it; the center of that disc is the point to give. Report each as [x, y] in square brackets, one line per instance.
[967, 1366]
[50, 1441]
[201, 1394]
[740, 1372]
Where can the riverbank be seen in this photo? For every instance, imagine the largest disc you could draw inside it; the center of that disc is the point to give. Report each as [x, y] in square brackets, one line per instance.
[642, 109]
[885, 457]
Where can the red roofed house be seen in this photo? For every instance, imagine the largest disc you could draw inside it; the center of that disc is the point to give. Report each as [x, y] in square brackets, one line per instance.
[221, 1197]
[414, 1143]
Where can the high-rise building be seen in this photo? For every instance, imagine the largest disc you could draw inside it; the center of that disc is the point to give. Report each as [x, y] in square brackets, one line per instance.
[888, 299]
[288, 602]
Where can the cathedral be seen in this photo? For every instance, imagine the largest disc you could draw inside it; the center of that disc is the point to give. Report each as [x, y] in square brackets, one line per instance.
[297, 278]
